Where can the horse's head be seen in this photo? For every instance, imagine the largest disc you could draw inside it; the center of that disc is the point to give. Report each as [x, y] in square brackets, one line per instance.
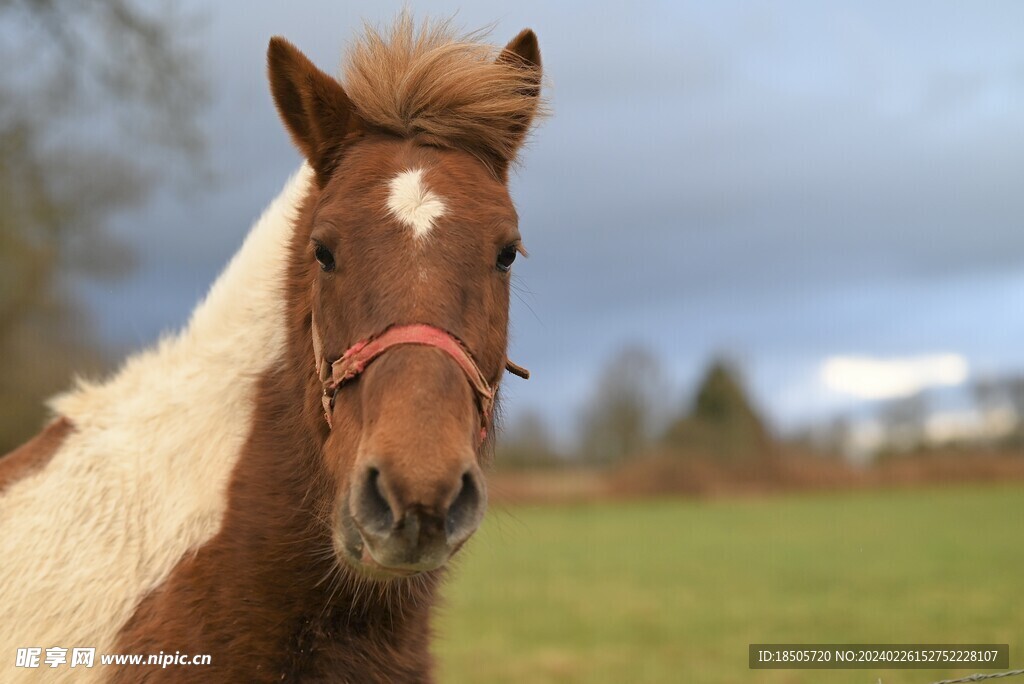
[412, 235]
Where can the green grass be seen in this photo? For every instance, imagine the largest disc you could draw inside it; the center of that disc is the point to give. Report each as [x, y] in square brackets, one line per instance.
[673, 591]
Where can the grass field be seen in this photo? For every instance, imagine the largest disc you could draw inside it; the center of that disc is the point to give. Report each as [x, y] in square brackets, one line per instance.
[673, 591]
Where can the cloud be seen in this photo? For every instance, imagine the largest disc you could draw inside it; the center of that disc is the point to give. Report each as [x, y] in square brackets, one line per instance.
[865, 377]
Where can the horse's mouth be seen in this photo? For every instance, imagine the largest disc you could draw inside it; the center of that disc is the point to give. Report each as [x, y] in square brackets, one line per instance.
[368, 562]
[356, 554]
[362, 561]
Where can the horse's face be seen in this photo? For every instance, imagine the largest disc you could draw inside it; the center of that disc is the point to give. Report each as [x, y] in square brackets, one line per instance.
[400, 233]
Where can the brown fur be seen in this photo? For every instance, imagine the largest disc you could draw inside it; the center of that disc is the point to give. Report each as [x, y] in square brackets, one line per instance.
[273, 597]
[33, 455]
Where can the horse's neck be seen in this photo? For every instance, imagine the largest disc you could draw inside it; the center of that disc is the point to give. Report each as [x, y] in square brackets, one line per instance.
[140, 482]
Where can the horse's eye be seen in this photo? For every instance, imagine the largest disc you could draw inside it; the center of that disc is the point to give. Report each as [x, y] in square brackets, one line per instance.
[505, 258]
[324, 257]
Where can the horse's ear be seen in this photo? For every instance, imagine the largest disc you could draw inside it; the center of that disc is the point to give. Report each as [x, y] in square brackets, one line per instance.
[523, 53]
[522, 50]
[314, 107]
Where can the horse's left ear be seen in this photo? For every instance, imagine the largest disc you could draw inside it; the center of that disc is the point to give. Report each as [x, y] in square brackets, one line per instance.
[523, 53]
[314, 107]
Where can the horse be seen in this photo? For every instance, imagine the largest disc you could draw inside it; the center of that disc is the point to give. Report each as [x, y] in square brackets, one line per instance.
[280, 486]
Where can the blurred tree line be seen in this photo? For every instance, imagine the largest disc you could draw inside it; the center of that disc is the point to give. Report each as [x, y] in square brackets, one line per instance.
[635, 410]
[90, 91]
[989, 419]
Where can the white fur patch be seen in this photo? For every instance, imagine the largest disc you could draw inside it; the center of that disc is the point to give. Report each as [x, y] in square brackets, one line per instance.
[413, 203]
[143, 479]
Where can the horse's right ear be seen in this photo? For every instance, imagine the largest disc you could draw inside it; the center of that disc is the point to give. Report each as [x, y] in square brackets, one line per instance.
[314, 107]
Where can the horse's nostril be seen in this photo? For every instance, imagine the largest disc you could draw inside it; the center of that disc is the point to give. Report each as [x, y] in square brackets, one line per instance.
[372, 507]
[464, 512]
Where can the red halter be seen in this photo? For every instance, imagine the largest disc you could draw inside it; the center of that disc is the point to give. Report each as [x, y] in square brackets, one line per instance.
[361, 354]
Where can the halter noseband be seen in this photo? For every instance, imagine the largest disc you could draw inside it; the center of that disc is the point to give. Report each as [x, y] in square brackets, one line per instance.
[356, 358]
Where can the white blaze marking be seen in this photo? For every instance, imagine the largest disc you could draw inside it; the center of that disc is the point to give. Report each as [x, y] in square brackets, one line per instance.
[413, 203]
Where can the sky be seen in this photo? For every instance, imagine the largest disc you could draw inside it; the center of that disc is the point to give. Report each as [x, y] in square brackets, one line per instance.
[794, 185]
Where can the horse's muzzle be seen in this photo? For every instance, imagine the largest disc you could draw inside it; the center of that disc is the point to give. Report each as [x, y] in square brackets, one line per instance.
[403, 533]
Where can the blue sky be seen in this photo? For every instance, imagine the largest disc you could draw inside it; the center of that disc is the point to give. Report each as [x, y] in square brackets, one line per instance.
[780, 182]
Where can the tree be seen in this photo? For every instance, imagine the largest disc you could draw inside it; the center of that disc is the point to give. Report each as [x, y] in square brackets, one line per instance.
[627, 409]
[722, 421]
[123, 74]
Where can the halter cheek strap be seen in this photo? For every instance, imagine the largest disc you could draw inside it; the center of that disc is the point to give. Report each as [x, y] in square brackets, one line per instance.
[356, 358]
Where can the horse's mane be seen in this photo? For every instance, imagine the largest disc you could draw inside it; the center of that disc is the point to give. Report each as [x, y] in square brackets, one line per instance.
[442, 88]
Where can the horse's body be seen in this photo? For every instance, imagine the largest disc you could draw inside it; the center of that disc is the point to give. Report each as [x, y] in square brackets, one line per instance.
[197, 502]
